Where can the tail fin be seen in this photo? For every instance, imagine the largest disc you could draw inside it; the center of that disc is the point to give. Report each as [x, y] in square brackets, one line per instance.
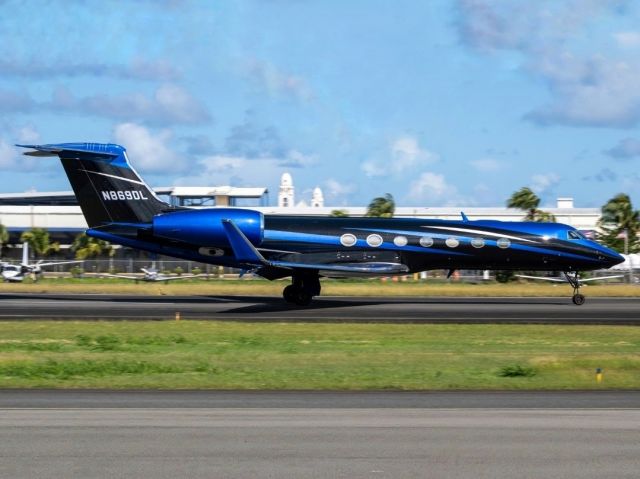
[108, 189]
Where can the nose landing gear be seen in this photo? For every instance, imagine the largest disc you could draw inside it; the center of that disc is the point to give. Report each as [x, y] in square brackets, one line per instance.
[303, 288]
[574, 280]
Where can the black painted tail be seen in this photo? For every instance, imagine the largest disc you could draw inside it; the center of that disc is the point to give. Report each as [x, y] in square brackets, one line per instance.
[108, 189]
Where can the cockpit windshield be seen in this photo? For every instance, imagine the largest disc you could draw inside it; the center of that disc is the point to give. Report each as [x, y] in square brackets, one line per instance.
[575, 235]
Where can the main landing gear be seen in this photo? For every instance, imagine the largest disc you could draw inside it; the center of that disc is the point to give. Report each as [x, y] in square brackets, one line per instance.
[303, 288]
[574, 280]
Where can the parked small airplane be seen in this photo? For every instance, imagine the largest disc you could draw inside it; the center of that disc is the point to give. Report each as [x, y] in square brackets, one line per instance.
[119, 207]
[15, 273]
[150, 275]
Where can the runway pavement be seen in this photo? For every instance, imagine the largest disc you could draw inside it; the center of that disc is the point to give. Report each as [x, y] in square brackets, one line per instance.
[323, 309]
[587, 438]
[190, 399]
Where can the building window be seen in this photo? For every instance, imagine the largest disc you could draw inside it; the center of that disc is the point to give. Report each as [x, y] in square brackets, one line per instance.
[374, 240]
[400, 241]
[426, 241]
[348, 239]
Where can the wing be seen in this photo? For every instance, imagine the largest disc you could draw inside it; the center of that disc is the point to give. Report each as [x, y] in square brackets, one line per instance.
[247, 254]
[561, 280]
[601, 278]
[543, 278]
[173, 278]
[40, 265]
[121, 276]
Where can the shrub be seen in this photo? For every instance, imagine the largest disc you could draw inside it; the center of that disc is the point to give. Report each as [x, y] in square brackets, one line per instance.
[505, 276]
[517, 371]
[76, 272]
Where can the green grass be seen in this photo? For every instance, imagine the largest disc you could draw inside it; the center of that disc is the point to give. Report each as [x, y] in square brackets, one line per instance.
[258, 287]
[223, 355]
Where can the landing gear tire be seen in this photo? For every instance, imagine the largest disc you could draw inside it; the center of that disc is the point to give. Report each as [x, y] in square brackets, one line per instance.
[303, 289]
[303, 298]
[574, 280]
[289, 294]
[578, 299]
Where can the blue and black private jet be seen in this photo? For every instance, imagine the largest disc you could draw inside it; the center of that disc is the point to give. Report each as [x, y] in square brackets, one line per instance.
[121, 208]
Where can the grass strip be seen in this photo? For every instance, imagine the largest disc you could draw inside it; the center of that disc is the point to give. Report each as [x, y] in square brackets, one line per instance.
[223, 355]
[260, 287]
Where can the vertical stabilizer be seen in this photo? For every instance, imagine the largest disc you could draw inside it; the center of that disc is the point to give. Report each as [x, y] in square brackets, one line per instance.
[107, 187]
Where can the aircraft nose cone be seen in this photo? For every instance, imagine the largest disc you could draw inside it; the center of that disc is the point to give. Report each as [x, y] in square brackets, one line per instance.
[612, 258]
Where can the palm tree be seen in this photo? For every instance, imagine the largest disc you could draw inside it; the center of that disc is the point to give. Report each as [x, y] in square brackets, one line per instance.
[618, 220]
[4, 237]
[525, 199]
[88, 247]
[382, 206]
[338, 214]
[39, 242]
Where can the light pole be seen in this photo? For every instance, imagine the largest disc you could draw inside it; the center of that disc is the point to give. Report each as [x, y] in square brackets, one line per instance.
[626, 253]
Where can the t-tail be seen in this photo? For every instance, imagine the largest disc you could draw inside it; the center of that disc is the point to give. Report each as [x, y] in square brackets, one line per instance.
[107, 187]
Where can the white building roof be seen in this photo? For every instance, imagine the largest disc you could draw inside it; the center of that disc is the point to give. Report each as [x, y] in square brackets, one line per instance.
[204, 191]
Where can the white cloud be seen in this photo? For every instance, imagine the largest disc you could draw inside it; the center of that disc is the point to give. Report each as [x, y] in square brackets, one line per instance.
[372, 170]
[7, 155]
[593, 91]
[405, 156]
[147, 151]
[433, 188]
[406, 153]
[627, 39]
[338, 192]
[28, 134]
[216, 170]
[296, 159]
[221, 164]
[486, 164]
[11, 157]
[169, 104]
[279, 82]
[595, 86]
[542, 183]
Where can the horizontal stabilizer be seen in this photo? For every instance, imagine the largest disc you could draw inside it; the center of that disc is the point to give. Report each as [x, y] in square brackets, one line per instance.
[99, 149]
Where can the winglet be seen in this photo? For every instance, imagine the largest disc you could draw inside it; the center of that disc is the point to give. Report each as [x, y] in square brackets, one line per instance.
[464, 217]
[242, 248]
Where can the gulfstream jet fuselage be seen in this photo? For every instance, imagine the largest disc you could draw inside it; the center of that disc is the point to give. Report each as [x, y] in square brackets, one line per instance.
[121, 208]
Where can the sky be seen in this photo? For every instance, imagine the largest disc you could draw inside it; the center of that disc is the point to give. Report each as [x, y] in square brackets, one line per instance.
[440, 103]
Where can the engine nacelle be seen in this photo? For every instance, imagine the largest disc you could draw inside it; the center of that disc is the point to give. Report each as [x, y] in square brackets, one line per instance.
[204, 227]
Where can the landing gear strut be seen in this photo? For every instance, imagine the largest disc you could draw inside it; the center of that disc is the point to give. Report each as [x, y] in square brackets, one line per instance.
[574, 280]
[303, 288]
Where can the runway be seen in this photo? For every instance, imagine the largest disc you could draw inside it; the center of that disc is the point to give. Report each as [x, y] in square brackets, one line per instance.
[612, 311]
[413, 436]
